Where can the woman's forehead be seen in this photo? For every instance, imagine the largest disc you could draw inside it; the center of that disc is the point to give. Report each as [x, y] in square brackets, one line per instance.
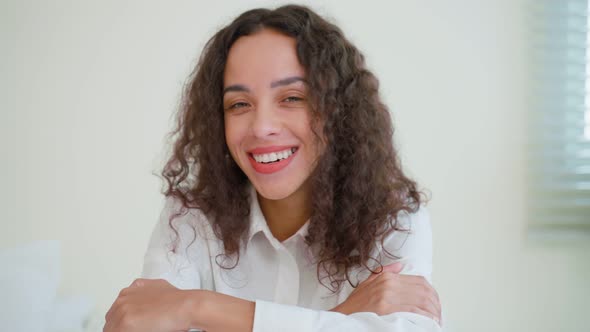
[262, 58]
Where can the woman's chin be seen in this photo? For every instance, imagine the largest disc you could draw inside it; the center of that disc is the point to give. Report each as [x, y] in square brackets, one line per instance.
[274, 192]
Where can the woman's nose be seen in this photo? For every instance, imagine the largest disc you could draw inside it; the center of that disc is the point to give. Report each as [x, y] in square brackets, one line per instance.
[267, 121]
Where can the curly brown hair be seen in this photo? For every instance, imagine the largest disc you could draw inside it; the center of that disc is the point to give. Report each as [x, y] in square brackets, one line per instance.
[358, 187]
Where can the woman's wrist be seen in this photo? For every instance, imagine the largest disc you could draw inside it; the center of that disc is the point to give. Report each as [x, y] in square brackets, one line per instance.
[193, 308]
[208, 310]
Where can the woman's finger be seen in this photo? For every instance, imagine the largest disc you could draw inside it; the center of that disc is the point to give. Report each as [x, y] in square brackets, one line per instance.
[416, 310]
[116, 319]
[421, 286]
[429, 306]
[437, 300]
[429, 292]
[391, 268]
[109, 313]
[398, 294]
[396, 267]
[422, 296]
[425, 304]
[137, 283]
[373, 276]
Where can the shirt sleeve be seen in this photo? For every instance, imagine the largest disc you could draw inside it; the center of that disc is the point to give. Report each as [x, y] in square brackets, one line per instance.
[414, 248]
[161, 261]
[269, 316]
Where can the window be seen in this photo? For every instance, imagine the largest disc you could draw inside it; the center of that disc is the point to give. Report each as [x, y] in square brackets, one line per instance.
[559, 160]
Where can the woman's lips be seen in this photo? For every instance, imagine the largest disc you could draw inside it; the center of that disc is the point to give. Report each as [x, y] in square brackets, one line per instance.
[269, 149]
[268, 168]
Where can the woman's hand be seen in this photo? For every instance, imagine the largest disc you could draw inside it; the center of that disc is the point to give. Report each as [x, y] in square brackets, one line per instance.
[388, 292]
[155, 305]
[148, 305]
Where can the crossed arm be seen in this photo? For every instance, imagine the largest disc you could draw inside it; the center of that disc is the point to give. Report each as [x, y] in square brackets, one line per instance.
[156, 305]
[390, 300]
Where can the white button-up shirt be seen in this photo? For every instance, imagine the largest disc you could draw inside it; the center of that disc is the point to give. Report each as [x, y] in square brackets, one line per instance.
[281, 277]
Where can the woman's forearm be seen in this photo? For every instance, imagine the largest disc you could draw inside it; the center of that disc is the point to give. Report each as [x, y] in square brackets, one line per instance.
[212, 311]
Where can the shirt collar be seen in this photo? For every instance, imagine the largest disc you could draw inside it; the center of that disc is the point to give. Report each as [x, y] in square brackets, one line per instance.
[258, 222]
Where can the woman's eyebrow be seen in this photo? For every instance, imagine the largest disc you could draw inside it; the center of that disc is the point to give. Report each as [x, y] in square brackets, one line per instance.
[287, 81]
[274, 84]
[236, 87]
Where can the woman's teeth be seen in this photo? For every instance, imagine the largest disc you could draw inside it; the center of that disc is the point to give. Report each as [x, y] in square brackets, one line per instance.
[274, 156]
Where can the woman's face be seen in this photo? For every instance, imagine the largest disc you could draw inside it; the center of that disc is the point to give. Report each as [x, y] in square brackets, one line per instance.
[267, 116]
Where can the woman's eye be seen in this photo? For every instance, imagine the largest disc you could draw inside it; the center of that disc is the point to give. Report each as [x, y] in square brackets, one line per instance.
[292, 99]
[239, 105]
[293, 102]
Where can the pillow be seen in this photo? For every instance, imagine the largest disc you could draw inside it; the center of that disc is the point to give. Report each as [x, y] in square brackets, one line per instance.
[71, 314]
[29, 278]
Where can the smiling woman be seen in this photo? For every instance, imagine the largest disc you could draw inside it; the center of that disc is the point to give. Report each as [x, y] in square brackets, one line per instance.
[287, 208]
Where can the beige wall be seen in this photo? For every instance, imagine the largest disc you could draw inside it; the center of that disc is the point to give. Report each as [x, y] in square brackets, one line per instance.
[87, 91]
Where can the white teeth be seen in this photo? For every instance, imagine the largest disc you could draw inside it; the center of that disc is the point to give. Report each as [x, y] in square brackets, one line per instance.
[273, 156]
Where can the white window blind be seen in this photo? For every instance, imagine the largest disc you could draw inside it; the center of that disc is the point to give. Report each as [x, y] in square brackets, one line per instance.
[559, 179]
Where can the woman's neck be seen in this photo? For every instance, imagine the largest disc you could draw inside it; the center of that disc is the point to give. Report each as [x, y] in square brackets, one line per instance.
[286, 216]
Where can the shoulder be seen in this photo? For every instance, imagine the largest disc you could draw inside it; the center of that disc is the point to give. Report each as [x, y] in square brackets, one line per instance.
[415, 231]
[179, 229]
[176, 216]
[413, 245]
[177, 249]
